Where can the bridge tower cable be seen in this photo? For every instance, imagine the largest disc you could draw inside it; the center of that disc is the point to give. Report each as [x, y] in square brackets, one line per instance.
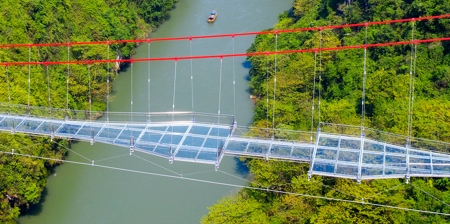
[363, 109]
[48, 89]
[313, 95]
[320, 74]
[148, 80]
[67, 80]
[173, 98]
[274, 82]
[107, 84]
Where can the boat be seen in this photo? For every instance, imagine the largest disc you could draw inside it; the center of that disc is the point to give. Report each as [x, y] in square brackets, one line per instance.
[212, 16]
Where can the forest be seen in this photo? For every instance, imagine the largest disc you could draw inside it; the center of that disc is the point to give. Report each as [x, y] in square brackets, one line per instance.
[23, 179]
[338, 76]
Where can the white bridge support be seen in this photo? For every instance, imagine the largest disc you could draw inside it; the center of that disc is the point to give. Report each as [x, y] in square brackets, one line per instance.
[193, 140]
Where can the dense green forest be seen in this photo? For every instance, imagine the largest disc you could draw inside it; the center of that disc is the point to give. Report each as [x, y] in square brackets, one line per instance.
[23, 179]
[340, 88]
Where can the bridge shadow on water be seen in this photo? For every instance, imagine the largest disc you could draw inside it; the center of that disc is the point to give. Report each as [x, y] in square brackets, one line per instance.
[241, 168]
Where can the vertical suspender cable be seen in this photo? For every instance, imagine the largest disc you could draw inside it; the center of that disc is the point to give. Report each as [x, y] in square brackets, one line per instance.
[411, 81]
[173, 97]
[90, 92]
[234, 84]
[320, 72]
[363, 102]
[275, 81]
[220, 89]
[148, 78]
[192, 76]
[9, 94]
[67, 81]
[131, 92]
[48, 87]
[267, 95]
[313, 95]
[29, 76]
[107, 87]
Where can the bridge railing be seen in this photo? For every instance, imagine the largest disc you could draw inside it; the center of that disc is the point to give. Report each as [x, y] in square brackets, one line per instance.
[275, 134]
[122, 117]
[382, 136]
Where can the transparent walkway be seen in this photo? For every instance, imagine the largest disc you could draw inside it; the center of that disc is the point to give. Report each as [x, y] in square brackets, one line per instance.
[186, 138]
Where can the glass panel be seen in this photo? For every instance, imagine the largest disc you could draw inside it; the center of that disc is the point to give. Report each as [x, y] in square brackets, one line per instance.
[151, 137]
[349, 156]
[392, 149]
[222, 132]
[372, 146]
[323, 167]
[48, 127]
[213, 143]
[162, 150]
[419, 153]
[418, 160]
[193, 141]
[395, 161]
[371, 171]
[326, 154]
[171, 139]
[68, 129]
[441, 169]
[258, 148]
[207, 155]
[199, 130]
[158, 128]
[281, 151]
[187, 153]
[9, 123]
[372, 158]
[302, 152]
[29, 126]
[350, 144]
[420, 169]
[327, 141]
[347, 170]
[236, 146]
[146, 147]
[177, 129]
[394, 171]
[88, 131]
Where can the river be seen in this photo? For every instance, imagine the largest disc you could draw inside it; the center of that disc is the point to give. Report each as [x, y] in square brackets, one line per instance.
[86, 194]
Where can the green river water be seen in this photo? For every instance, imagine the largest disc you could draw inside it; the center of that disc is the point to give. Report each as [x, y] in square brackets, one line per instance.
[85, 194]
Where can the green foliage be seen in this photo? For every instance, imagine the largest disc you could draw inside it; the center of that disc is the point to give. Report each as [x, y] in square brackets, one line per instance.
[23, 179]
[341, 77]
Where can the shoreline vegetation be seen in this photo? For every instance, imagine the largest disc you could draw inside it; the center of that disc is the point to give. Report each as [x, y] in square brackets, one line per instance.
[23, 179]
[387, 94]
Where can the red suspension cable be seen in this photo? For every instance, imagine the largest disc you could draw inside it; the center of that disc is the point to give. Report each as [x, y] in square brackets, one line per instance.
[227, 55]
[225, 35]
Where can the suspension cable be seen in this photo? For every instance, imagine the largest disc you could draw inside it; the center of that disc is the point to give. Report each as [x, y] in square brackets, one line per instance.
[90, 92]
[67, 81]
[274, 82]
[148, 79]
[107, 87]
[313, 95]
[363, 102]
[192, 77]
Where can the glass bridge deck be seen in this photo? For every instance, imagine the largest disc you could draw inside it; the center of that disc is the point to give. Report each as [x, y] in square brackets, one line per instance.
[330, 155]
